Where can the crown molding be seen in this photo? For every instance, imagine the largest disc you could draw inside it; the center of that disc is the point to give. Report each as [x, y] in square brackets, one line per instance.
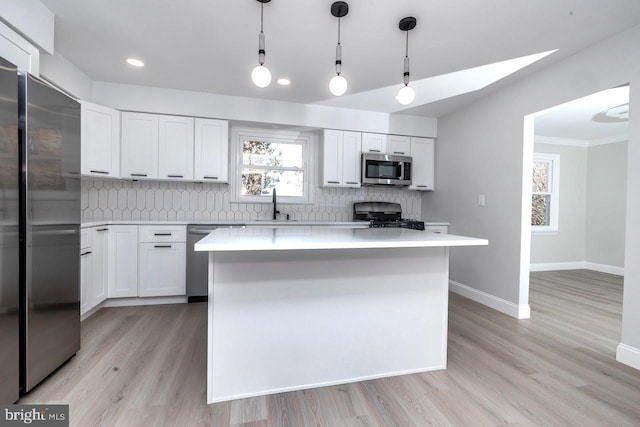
[609, 140]
[552, 140]
[581, 143]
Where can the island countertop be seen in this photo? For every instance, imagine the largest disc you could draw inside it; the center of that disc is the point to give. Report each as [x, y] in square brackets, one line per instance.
[305, 237]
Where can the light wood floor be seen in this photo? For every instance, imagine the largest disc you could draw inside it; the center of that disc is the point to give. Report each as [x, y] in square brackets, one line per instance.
[145, 366]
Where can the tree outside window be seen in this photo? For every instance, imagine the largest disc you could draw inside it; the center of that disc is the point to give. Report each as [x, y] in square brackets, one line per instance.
[267, 161]
[545, 192]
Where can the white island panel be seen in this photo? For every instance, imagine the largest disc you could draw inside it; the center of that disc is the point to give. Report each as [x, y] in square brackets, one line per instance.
[281, 321]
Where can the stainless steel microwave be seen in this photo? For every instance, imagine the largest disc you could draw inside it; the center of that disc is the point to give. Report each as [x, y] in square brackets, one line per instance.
[386, 170]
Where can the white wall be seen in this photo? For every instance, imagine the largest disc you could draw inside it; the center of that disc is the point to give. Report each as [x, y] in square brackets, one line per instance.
[56, 69]
[568, 244]
[171, 101]
[606, 204]
[32, 19]
[480, 150]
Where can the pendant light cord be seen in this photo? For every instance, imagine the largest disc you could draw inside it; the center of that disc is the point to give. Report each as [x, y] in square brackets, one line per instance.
[262, 17]
[339, 29]
[406, 54]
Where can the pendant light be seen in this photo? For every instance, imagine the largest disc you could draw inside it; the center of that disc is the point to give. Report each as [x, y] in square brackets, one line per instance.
[338, 84]
[261, 76]
[406, 94]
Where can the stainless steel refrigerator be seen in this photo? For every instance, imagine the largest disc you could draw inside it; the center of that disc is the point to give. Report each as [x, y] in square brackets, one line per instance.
[9, 259]
[49, 228]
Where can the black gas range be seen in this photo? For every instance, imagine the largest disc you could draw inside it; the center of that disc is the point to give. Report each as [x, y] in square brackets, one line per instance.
[384, 215]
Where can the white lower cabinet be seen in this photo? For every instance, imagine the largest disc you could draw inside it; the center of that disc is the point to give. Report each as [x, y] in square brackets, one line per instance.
[123, 261]
[162, 262]
[438, 229]
[162, 269]
[100, 262]
[86, 261]
[93, 267]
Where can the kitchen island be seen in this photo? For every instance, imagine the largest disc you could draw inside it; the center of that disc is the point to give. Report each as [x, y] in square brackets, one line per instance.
[300, 307]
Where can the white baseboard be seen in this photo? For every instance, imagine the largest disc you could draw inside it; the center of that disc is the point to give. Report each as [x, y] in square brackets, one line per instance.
[628, 355]
[555, 266]
[519, 311]
[577, 265]
[611, 269]
[128, 302]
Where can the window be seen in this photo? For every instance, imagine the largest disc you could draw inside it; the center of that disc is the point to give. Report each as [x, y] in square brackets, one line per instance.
[267, 160]
[545, 192]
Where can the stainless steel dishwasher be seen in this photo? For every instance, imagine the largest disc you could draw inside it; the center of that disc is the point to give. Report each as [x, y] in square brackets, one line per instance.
[198, 262]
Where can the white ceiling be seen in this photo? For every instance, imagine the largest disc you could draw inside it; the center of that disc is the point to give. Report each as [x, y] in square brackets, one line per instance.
[211, 46]
[585, 119]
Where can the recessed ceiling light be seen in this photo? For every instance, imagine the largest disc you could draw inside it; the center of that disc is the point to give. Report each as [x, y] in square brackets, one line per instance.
[284, 82]
[135, 62]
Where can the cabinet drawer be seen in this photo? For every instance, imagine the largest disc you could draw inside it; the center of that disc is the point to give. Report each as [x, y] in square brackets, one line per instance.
[439, 229]
[163, 233]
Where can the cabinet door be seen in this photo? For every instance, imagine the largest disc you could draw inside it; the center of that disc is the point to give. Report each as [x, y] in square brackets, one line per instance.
[100, 140]
[211, 162]
[139, 157]
[374, 143]
[351, 154]
[99, 272]
[332, 158]
[123, 261]
[399, 145]
[162, 269]
[422, 151]
[86, 260]
[175, 148]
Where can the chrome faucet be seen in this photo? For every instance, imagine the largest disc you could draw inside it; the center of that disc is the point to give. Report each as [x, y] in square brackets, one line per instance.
[275, 206]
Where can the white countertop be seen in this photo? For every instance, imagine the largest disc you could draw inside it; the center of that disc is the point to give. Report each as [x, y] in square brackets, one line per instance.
[297, 238]
[254, 222]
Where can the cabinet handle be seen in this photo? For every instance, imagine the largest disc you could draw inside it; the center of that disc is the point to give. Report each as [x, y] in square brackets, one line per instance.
[175, 176]
[398, 152]
[333, 182]
[374, 151]
[102, 229]
[85, 253]
[102, 172]
[422, 186]
[348, 182]
[210, 177]
[138, 174]
[162, 246]
[162, 234]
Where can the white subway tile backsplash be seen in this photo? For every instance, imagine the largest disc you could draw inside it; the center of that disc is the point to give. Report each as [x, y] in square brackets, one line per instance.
[166, 201]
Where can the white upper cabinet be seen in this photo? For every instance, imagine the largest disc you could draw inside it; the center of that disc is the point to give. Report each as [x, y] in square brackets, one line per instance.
[341, 158]
[422, 151]
[351, 151]
[100, 130]
[175, 148]
[398, 145]
[332, 158]
[211, 160]
[374, 143]
[139, 146]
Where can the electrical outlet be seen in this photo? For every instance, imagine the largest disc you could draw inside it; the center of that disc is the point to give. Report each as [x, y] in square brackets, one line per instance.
[481, 200]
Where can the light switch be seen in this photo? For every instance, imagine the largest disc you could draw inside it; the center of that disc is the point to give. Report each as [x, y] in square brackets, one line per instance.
[481, 200]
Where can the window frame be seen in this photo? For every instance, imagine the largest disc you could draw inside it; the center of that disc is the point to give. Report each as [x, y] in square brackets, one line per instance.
[238, 135]
[554, 191]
